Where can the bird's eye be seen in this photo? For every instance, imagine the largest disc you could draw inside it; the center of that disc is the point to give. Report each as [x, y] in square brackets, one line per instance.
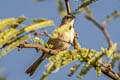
[67, 17]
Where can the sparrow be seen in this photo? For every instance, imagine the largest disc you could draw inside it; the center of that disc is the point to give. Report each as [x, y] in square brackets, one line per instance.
[62, 42]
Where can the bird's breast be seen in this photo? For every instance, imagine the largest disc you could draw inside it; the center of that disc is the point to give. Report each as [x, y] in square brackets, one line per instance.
[68, 35]
[66, 39]
[63, 41]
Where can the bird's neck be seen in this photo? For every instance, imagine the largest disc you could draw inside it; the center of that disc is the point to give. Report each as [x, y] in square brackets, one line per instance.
[70, 23]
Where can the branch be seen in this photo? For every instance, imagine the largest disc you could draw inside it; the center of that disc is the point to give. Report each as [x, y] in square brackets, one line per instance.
[68, 6]
[45, 33]
[110, 74]
[38, 48]
[106, 71]
[102, 28]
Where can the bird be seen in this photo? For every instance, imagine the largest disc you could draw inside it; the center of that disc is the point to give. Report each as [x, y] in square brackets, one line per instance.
[62, 42]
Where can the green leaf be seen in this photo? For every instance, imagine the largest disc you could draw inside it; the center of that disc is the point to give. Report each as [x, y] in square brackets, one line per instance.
[60, 31]
[98, 67]
[7, 22]
[48, 72]
[19, 21]
[90, 63]
[73, 69]
[38, 25]
[64, 58]
[39, 20]
[86, 3]
[114, 15]
[98, 70]
[14, 44]
[38, 40]
[107, 20]
[113, 60]
[110, 50]
[7, 35]
[61, 8]
[85, 69]
[39, 0]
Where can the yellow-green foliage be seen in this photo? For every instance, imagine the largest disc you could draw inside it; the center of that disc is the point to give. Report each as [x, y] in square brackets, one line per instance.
[86, 3]
[14, 44]
[10, 36]
[91, 61]
[49, 71]
[38, 40]
[7, 22]
[114, 15]
[19, 21]
[61, 8]
[60, 30]
[113, 59]
[38, 0]
[38, 25]
[109, 52]
[49, 45]
[107, 20]
[98, 67]
[90, 57]
[73, 69]
[39, 20]
[7, 35]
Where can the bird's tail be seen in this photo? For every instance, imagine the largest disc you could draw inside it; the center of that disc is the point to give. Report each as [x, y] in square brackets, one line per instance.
[35, 65]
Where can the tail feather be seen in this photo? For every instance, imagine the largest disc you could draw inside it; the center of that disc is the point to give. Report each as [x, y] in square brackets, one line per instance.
[35, 65]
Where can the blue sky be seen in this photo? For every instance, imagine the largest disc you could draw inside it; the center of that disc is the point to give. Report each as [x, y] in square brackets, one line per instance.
[15, 63]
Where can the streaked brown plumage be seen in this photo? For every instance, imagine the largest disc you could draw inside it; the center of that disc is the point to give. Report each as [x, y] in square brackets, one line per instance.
[61, 43]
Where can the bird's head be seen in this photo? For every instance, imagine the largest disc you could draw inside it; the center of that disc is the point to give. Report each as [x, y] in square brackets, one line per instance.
[68, 19]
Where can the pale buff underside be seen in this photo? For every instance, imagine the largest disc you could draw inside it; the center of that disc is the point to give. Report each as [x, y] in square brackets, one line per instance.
[63, 41]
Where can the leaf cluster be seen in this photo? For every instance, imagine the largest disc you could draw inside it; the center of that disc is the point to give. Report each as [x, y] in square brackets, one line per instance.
[12, 34]
[88, 57]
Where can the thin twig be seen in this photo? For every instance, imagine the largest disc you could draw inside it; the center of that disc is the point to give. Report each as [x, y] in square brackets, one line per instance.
[102, 28]
[110, 74]
[68, 6]
[110, 71]
[89, 16]
[107, 72]
[45, 33]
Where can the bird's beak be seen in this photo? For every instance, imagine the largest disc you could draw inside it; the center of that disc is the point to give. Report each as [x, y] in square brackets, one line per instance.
[73, 17]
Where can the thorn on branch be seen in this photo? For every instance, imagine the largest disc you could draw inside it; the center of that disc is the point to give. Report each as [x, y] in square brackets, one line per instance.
[20, 47]
[45, 33]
